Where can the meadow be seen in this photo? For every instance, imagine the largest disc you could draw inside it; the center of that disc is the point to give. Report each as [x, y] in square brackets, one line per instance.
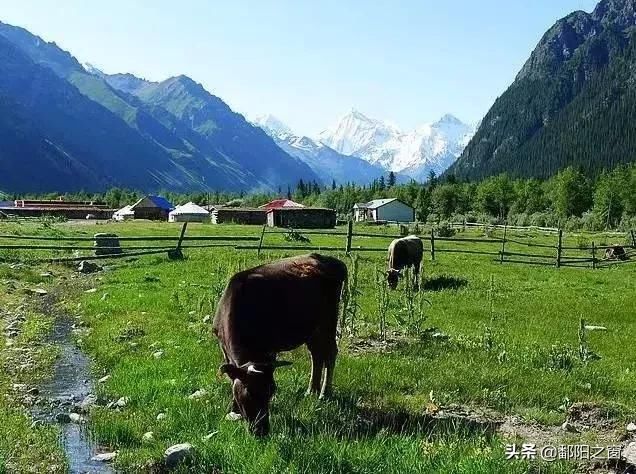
[503, 340]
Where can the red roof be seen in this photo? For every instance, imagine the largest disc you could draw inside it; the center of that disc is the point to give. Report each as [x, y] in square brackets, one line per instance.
[278, 203]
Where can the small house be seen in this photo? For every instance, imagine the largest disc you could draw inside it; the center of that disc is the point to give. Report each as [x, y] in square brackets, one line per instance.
[302, 218]
[189, 212]
[280, 203]
[124, 214]
[384, 210]
[152, 207]
[239, 215]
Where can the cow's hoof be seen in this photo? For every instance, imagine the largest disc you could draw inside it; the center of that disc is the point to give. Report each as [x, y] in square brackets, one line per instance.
[324, 396]
[310, 392]
[231, 416]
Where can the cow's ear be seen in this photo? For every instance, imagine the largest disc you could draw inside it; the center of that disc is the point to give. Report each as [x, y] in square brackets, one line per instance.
[232, 371]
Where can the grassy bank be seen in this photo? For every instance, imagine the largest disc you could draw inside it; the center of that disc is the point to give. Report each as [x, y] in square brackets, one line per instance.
[506, 338]
[26, 359]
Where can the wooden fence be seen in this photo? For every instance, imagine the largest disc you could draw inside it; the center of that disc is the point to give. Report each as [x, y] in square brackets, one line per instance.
[504, 249]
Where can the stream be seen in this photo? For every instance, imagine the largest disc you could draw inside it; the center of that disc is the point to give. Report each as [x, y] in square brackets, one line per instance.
[70, 384]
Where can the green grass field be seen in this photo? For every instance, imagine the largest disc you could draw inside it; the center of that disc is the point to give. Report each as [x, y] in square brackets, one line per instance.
[512, 346]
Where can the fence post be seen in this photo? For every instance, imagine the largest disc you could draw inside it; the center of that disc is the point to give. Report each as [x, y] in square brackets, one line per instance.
[176, 252]
[260, 242]
[503, 243]
[559, 248]
[593, 256]
[349, 235]
[633, 239]
[432, 244]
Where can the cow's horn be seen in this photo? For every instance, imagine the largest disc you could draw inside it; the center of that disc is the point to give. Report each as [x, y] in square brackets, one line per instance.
[253, 370]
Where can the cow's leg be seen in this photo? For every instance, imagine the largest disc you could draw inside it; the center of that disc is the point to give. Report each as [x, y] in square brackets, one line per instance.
[330, 364]
[317, 364]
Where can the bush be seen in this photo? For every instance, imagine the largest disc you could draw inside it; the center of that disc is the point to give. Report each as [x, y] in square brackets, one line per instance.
[544, 219]
[573, 223]
[445, 230]
[591, 221]
[522, 220]
[628, 223]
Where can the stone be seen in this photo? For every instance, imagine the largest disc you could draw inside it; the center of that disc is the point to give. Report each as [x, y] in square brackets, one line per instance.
[107, 244]
[232, 416]
[37, 291]
[46, 274]
[631, 428]
[569, 427]
[104, 457]
[209, 436]
[161, 416]
[157, 354]
[104, 379]
[122, 402]
[148, 436]
[63, 418]
[629, 454]
[92, 290]
[198, 394]
[104, 297]
[88, 402]
[76, 418]
[177, 454]
[86, 267]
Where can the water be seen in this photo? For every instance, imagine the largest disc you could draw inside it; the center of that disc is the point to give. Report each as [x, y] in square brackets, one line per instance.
[70, 383]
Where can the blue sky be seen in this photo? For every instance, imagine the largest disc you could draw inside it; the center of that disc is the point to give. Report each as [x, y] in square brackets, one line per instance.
[309, 62]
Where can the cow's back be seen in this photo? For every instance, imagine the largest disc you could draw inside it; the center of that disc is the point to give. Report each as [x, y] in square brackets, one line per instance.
[278, 306]
[405, 251]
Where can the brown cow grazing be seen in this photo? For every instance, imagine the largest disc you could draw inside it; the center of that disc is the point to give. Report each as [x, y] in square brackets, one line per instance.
[273, 308]
[403, 253]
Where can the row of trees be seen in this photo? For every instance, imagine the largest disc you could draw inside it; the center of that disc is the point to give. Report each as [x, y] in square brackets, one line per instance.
[568, 199]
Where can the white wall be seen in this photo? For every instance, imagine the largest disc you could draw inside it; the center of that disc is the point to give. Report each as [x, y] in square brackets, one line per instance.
[395, 211]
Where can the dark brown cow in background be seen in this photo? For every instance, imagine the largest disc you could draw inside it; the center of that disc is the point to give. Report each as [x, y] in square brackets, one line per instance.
[273, 308]
[403, 253]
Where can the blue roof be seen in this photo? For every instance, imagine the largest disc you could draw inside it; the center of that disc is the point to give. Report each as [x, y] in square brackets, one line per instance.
[161, 202]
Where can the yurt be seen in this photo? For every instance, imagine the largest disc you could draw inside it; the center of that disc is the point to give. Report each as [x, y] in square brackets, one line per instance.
[189, 212]
[124, 214]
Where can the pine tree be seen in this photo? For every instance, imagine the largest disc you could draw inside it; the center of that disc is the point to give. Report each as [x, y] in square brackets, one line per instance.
[391, 181]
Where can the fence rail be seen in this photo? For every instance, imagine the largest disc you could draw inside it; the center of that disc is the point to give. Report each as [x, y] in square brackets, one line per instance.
[504, 248]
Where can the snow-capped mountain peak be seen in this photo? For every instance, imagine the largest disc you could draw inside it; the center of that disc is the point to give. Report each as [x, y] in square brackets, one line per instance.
[272, 125]
[432, 146]
[355, 132]
[326, 162]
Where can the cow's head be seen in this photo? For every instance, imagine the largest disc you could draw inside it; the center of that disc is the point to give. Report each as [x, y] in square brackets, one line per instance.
[253, 387]
[392, 277]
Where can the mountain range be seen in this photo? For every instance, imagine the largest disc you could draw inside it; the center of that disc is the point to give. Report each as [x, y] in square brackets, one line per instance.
[430, 147]
[326, 162]
[572, 104]
[66, 128]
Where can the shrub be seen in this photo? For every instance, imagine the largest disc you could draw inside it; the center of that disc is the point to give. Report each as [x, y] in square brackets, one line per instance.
[591, 221]
[445, 230]
[573, 223]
